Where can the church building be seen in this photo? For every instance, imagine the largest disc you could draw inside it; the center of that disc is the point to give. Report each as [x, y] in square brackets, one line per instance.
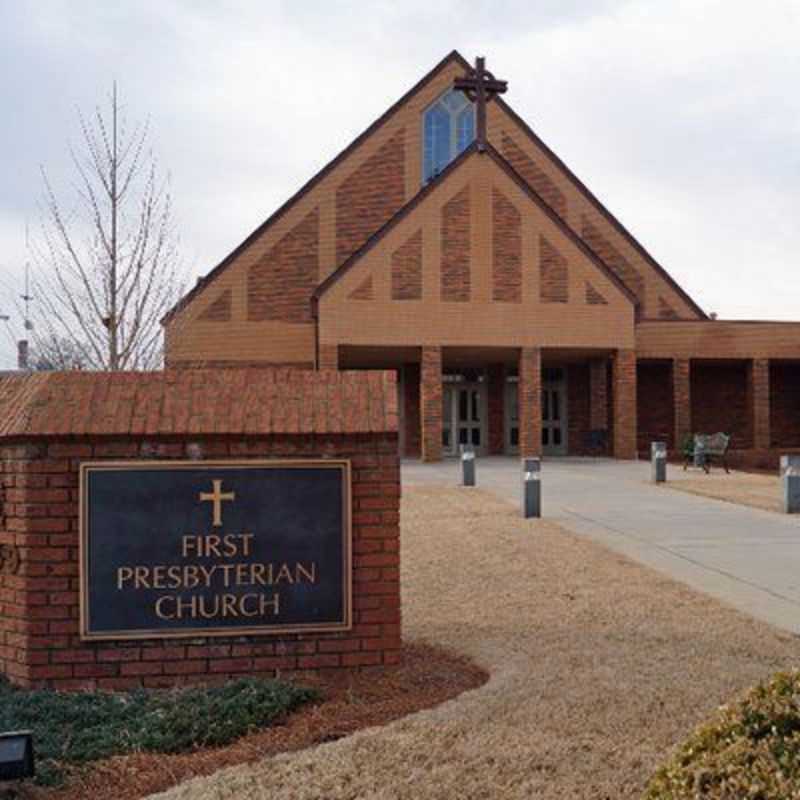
[448, 242]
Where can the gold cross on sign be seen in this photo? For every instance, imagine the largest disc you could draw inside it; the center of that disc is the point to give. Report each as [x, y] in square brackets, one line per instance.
[217, 497]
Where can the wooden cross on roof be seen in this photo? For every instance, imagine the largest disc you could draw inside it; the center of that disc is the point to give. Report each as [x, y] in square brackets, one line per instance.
[480, 86]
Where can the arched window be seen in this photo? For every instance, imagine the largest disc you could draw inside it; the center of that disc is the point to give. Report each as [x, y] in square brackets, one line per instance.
[448, 129]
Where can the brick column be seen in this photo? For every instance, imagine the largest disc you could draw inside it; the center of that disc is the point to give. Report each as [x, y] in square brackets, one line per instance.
[530, 402]
[328, 356]
[624, 392]
[682, 399]
[759, 394]
[430, 403]
[497, 408]
[598, 395]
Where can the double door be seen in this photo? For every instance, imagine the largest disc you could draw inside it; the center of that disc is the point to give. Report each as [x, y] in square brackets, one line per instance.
[463, 417]
[554, 415]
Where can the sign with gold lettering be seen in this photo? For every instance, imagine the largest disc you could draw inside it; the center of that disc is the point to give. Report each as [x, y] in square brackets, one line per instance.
[200, 548]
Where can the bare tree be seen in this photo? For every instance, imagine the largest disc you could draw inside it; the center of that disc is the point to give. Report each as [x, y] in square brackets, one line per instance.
[56, 353]
[107, 270]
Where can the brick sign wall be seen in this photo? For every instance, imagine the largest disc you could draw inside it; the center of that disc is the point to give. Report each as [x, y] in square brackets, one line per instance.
[53, 425]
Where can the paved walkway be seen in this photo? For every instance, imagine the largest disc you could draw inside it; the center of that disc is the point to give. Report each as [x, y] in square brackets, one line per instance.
[742, 556]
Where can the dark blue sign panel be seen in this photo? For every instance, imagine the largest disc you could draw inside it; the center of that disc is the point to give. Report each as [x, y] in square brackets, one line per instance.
[214, 548]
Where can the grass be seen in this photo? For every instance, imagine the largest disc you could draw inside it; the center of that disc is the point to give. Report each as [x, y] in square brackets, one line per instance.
[76, 728]
[751, 749]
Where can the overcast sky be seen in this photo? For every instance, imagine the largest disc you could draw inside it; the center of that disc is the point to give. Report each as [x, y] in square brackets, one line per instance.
[683, 117]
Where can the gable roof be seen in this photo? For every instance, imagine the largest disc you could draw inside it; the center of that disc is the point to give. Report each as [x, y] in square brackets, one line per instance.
[453, 57]
[418, 198]
[587, 193]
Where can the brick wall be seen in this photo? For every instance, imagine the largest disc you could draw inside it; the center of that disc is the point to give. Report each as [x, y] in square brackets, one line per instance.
[506, 250]
[496, 375]
[578, 409]
[656, 420]
[39, 600]
[411, 420]
[370, 195]
[407, 269]
[785, 404]
[721, 401]
[455, 269]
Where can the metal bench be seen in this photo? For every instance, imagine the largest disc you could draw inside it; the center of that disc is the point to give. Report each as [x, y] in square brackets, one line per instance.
[703, 449]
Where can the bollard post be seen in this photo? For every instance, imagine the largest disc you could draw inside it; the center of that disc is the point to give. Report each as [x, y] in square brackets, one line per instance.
[658, 461]
[531, 488]
[467, 465]
[790, 477]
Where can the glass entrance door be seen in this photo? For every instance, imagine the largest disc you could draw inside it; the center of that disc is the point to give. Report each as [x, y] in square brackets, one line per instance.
[462, 417]
[554, 416]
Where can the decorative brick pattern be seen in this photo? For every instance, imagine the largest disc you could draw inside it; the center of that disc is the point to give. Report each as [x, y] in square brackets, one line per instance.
[496, 384]
[613, 259]
[363, 291]
[430, 395]
[681, 400]
[665, 310]
[623, 367]
[656, 412]
[506, 250]
[593, 297]
[759, 395]
[535, 178]
[369, 196]
[554, 281]
[39, 627]
[279, 284]
[411, 419]
[219, 310]
[455, 271]
[721, 401]
[530, 402]
[407, 269]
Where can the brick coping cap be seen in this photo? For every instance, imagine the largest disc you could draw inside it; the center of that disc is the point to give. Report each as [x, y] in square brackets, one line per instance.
[229, 401]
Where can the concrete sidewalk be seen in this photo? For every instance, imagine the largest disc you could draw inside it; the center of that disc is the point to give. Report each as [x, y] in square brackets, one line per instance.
[742, 556]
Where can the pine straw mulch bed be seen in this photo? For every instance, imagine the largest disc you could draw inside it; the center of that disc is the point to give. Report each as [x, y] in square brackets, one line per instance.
[743, 488]
[428, 676]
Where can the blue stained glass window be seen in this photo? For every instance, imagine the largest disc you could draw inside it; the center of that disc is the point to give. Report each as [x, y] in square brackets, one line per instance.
[448, 129]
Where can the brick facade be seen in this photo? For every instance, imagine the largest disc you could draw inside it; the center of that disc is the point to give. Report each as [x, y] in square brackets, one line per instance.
[655, 409]
[496, 380]
[720, 398]
[152, 416]
[785, 404]
[407, 269]
[411, 418]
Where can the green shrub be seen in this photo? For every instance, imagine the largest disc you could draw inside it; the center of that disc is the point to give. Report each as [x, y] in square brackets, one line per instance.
[749, 751]
[75, 728]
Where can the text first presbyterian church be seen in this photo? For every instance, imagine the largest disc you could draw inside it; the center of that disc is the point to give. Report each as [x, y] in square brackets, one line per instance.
[450, 244]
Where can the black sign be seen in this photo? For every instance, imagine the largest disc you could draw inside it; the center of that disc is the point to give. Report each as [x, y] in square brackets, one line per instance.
[214, 548]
